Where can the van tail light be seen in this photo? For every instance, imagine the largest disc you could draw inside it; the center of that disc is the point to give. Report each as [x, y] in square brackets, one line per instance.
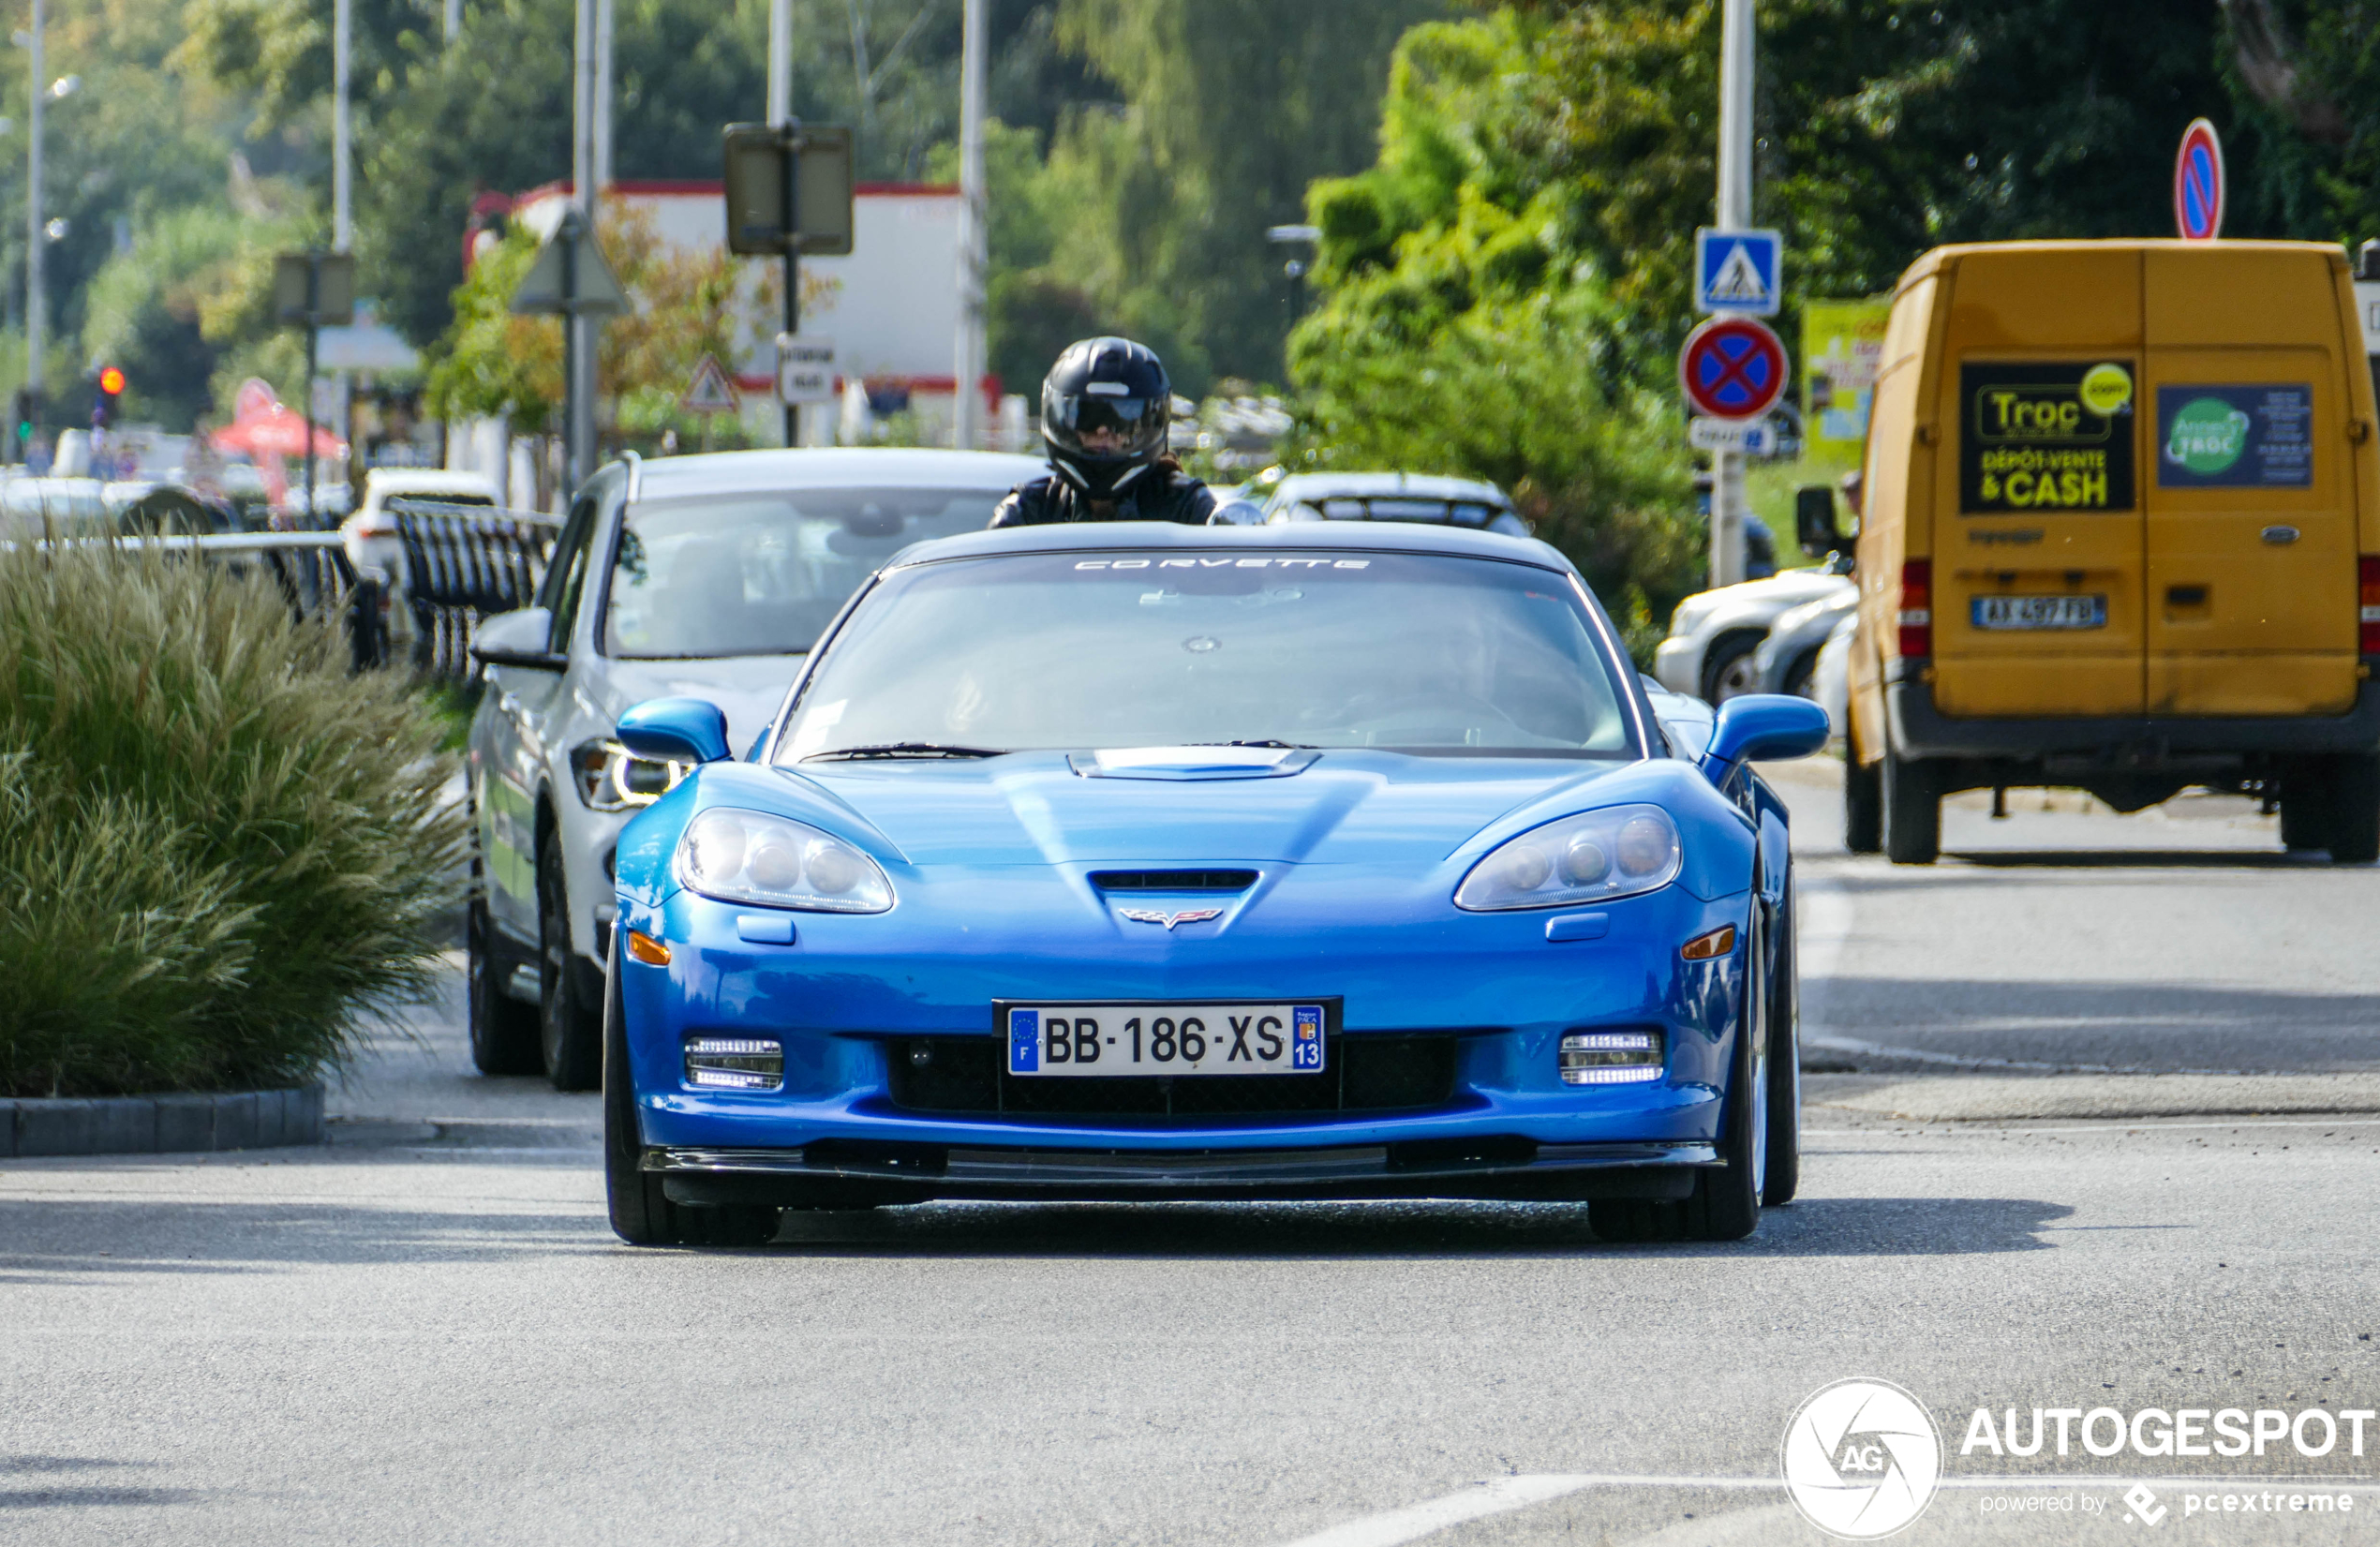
[1917, 608]
[2367, 597]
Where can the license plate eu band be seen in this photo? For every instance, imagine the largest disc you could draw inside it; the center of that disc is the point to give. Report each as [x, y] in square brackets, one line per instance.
[1096, 1041]
[2041, 611]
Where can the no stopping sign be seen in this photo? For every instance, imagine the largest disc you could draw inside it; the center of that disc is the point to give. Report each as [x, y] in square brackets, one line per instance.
[1733, 368]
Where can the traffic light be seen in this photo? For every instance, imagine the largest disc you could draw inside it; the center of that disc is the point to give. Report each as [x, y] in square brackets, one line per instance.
[26, 407]
[103, 408]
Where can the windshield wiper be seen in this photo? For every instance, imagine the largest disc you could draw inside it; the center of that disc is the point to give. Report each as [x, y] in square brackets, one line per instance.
[1285, 746]
[902, 748]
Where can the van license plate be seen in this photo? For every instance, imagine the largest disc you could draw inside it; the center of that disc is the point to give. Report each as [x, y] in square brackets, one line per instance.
[2041, 611]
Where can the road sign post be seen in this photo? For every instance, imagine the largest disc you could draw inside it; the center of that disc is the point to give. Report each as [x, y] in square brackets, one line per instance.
[789, 191]
[805, 369]
[315, 290]
[571, 278]
[2199, 192]
[1733, 368]
[709, 394]
[1738, 271]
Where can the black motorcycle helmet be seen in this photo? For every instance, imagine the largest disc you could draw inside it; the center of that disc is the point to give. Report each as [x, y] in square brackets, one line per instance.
[1104, 409]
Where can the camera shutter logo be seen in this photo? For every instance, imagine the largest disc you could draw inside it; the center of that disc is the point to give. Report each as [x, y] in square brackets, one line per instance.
[1861, 1458]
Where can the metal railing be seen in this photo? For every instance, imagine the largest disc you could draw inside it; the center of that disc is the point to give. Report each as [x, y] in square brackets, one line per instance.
[462, 563]
[309, 569]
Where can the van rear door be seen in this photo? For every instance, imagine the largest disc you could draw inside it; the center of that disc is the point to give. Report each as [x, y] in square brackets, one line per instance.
[2250, 529]
[2038, 547]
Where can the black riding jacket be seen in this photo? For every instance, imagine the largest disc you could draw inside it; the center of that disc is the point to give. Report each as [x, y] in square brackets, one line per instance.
[1161, 494]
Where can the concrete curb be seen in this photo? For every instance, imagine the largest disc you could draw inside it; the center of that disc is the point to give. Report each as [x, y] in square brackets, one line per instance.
[161, 1124]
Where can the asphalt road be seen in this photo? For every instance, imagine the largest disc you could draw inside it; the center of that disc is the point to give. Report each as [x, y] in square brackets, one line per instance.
[425, 1333]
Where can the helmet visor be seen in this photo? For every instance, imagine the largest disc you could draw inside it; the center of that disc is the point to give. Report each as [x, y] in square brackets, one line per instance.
[1105, 427]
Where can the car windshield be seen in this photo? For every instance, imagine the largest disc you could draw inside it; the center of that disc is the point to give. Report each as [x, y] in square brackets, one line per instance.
[1409, 651]
[763, 573]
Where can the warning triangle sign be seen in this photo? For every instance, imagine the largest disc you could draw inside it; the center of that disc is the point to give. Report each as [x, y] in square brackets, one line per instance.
[1739, 282]
[710, 392]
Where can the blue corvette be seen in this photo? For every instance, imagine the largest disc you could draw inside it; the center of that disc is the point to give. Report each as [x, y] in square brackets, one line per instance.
[1135, 861]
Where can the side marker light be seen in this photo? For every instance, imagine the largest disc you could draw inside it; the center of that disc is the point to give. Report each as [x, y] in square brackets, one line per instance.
[1710, 947]
[644, 949]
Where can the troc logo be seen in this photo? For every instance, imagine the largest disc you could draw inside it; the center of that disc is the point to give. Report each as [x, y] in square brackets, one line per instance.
[1861, 1458]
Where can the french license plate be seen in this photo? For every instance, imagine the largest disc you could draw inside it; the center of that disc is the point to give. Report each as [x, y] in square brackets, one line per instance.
[2041, 611]
[1108, 1040]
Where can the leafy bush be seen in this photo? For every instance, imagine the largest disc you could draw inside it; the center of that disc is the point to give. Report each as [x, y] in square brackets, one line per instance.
[221, 856]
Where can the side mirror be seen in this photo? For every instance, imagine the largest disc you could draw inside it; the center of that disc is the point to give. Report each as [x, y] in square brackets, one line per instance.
[1762, 726]
[1814, 526]
[692, 730]
[517, 639]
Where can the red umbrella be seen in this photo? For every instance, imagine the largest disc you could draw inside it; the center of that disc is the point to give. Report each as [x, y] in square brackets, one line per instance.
[263, 426]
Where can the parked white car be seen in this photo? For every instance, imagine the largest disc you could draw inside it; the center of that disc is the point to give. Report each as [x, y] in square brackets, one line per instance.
[370, 536]
[1714, 635]
[1787, 659]
[701, 575]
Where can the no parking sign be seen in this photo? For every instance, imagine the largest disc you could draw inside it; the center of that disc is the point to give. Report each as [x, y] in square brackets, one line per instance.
[1733, 368]
[2198, 184]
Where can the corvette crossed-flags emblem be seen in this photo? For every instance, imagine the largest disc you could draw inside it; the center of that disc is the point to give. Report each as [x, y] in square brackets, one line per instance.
[1158, 916]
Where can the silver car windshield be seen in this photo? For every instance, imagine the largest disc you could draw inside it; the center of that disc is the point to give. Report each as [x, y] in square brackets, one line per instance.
[1409, 651]
[763, 573]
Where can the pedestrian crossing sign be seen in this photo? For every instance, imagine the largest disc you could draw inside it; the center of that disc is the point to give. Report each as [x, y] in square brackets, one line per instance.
[1738, 271]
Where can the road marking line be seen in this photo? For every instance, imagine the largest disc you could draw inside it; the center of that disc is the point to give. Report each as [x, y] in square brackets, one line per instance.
[1496, 1496]
[1981, 1124]
[1491, 1497]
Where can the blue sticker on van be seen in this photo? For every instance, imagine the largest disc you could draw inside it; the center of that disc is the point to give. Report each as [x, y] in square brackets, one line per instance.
[2258, 436]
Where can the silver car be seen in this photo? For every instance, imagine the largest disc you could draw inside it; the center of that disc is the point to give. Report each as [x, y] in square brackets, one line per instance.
[701, 575]
[1394, 497]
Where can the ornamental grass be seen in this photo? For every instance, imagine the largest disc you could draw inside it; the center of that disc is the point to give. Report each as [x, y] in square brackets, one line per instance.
[223, 857]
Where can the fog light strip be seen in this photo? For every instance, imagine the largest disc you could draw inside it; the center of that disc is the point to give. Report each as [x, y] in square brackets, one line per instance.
[1612, 1058]
[736, 1062]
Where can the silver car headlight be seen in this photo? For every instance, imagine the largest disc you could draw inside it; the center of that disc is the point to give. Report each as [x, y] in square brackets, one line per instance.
[744, 857]
[610, 778]
[1592, 857]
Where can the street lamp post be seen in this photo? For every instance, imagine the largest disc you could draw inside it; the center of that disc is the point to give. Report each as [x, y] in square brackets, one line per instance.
[36, 239]
[1728, 501]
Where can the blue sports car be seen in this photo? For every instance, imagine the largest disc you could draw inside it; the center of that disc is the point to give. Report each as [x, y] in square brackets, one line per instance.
[1137, 861]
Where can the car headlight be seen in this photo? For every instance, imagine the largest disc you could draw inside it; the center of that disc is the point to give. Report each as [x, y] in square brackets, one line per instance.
[1592, 857]
[610, 778]
[743, 856]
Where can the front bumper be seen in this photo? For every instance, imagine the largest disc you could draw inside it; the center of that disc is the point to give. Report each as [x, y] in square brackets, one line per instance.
[850, 993]
[842, 1172]
[1677, 664]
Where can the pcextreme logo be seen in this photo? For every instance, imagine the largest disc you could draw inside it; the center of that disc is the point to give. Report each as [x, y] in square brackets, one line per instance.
[1861, 1458]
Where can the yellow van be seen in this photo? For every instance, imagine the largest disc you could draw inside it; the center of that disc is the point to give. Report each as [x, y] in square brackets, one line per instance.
[2121, 534]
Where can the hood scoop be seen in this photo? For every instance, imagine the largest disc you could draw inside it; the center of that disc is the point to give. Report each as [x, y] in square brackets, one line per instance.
[1192, 763]
[1173, 880]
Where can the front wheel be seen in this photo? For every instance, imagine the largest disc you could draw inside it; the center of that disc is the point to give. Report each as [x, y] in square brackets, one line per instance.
[1728, 672]
[1725, 1204]
[1784, 1175]
[570, 1029]
[641, 1211]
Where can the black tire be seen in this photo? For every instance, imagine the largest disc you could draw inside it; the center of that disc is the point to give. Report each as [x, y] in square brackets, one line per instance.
[1912, 806]
[2305, 805]
[1727, 671]
[1863, 803]
[641, 1211]
[504, 1031]
[570, 1030]
[1725, 1204]
[1783, 1177]
[2354, 838]
[1801, 677]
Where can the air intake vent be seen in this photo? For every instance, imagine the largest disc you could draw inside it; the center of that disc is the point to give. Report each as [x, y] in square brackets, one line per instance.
[1173, 880]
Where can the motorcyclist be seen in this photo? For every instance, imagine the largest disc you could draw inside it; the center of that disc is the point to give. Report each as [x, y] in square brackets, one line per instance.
[1104, 409]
